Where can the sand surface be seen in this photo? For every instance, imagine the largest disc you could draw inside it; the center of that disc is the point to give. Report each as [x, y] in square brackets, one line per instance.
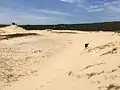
[58, 60]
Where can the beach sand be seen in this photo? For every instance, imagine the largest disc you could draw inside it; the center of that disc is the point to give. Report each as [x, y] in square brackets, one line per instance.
[58, 60]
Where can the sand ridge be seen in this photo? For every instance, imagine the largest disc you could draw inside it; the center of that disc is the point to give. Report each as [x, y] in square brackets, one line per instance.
[11, 28]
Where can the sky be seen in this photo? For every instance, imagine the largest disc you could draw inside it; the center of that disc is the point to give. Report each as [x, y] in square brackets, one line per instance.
[58, 11]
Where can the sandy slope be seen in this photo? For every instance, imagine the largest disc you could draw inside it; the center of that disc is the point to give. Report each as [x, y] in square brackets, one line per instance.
[11, 28]
[61, 63]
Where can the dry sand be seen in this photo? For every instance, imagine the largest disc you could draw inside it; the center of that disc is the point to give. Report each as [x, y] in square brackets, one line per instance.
[57, 60]
[11, 29]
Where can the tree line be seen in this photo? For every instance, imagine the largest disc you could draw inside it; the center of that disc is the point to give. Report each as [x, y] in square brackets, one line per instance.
[102, 26]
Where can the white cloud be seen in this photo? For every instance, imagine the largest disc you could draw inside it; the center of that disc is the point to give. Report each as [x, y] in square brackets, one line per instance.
[99, 6]
[102, 11]
[114, 9]
[95, 10]
[74, 1]
[94, 6]
[113, 6]
[69, 1]
[79, 5]
[52, 12]
[111, 3]
[111, 10]
[30, 18]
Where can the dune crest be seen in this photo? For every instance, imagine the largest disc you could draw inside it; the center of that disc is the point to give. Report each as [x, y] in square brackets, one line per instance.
[11, 28]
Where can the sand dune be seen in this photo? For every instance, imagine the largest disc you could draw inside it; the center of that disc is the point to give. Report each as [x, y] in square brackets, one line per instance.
[11, 29]
[58, 60]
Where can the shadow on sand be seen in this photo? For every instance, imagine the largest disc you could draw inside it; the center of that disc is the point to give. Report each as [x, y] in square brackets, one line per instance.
[9, 36]
[66, 32]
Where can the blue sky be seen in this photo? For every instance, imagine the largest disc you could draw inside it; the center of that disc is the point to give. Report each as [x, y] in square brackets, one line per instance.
[58, 11]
